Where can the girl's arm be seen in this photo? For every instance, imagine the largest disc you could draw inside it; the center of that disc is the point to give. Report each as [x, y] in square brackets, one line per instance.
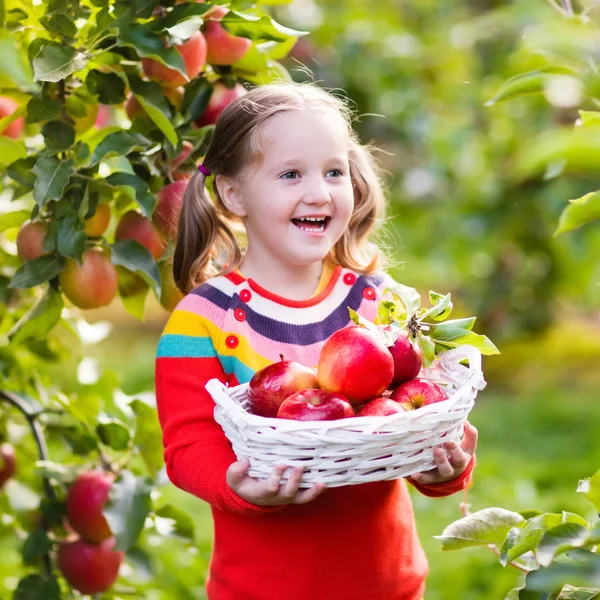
[197, 453]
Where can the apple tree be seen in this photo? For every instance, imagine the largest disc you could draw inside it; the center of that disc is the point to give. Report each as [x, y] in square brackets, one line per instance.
[558, 553]
[105, 108]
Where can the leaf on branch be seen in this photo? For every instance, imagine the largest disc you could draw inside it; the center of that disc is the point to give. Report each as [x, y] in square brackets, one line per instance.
[559, 539]
[258, 29]
[113, 433]
[118, 143]
[441, 307]
[137, 259]
[37, 271]
[136, 188]
[453, 337]
[34, 587]
[109, 87]
[409, 297]
[579, 212]
[58, 135]
[41, 109]
[590, 488]
[11, 150]
[487, 526]
[55, 62]
[583, 573]
[13, 66]
[147, 437]
[52, 177]
[181, 524]
[39, 321]
[127, 508]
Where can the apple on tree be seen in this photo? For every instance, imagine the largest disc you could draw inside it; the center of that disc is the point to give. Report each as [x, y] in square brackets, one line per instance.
[315, 405]
[89, 568]
[134, 226]
[8, 463]
[222, 47]
[30, 240]
[85, 501]
[270, 386]
[97, 224]
[7, 108]
[222, 96]
[168, 208]
[416, 393]
[355, 363]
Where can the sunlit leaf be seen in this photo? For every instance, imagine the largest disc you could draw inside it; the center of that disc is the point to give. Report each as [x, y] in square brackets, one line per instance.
[579, 212]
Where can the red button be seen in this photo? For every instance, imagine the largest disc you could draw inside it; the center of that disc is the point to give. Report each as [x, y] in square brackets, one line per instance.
[349, 278]
[245, 295]
[239, 314]
[369, 293]
[231, 341]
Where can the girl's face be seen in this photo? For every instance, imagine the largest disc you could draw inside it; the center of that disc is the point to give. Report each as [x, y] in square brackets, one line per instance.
[297, 201]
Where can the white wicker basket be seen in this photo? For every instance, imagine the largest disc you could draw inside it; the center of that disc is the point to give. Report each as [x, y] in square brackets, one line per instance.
[354, 450]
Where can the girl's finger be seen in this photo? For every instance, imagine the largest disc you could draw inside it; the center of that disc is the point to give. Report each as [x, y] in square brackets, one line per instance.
[290, 487]
[236, 473]
[458, 458]
[445, 469]
[469, 441]
[273, 482]
[310, 494]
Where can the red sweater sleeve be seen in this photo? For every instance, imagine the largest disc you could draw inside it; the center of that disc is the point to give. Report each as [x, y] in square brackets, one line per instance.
[197, 453]
[447, 488]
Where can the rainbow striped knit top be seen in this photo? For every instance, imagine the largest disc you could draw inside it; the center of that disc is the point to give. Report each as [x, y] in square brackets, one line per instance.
[351, 543]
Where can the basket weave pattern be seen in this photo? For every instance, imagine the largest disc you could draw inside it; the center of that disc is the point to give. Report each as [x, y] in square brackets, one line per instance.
[359, 449]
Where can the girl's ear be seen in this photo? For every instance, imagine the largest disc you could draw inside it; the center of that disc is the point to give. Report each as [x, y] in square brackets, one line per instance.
[230, 195]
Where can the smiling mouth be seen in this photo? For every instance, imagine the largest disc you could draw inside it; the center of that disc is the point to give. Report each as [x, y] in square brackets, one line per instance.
[312, 224]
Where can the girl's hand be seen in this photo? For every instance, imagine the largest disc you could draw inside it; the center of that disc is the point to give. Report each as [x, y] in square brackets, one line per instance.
[270, 492]
[460, 456]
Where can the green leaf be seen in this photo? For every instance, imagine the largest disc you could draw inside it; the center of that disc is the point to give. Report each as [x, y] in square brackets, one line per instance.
[560, 539]
[527, 83]
[119, 143]
[589, 117]
[135, 304]
[113, 433]
[58, 135]
[34, 587]
[60, 25]
[11, 150]
[35, 546]
[258, 29]
[109, 87]
[55, 62]
[487, 526]
[148, 436]
[195, 99]
[529, 537]
[70, 237]
[137, 259]
[452, 337]
[80, 440]
[14, 68]
[21, 171]
[148, 45]
[440, 309]
[583, 573]
[179, 14]
[53, 470]
[40, 320]
[386, 311]
[150, 96]
[41, 109]
[466, 323]
[579, 212]
[52, 177]
[14, 218]
[127, 508]
[427, 348]
[136, 188]
[409, 297]
[37, 271]
[590, 488]
[182, 524]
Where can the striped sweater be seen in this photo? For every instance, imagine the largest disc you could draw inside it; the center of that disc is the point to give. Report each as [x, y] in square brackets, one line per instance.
[351, 543]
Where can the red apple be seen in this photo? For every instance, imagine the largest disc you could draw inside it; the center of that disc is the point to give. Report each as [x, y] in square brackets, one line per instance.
[30, 240]
[418, 392]
[408, 359]
[8, 463]
[315, 405]
[104, 116]
[380, 407]
[220, 99]
[85, 502]
[97, 224]
[89, 568]
[193, 52]
[222, 47]
[168, 208]
[355, 363]
[134, 226]
[92, 284]
[270, 386]
[189, 169]
[7, 108]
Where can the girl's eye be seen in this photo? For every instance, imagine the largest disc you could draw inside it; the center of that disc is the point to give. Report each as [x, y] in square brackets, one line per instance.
[290, 175]
[336, 172]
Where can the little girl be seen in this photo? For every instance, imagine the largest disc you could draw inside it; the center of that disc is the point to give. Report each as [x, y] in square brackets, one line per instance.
[287, 167]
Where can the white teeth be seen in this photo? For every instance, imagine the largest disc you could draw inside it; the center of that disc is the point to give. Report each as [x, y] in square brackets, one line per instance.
[311, 219]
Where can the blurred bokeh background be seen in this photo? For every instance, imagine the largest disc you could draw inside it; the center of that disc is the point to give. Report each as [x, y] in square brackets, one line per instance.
[423, 77]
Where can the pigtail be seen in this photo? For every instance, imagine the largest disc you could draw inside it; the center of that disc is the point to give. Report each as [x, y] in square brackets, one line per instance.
[354, 249]
[204, 239]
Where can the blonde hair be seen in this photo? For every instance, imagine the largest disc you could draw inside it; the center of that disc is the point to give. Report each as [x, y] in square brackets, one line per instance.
[206, 241]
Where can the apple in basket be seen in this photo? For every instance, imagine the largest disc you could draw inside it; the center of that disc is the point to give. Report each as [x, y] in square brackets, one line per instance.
[315, 405]
[380, 407]
[270, 386]
[355, 363]
[417, 393]
[408, 359]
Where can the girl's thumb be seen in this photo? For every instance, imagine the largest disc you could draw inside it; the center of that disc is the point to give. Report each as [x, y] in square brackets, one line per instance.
[237, 471]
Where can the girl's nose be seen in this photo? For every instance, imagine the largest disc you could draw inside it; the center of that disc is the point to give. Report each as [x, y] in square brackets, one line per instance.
[317, 193]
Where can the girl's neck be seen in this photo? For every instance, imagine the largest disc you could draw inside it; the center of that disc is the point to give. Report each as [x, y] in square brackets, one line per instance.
[297, 283]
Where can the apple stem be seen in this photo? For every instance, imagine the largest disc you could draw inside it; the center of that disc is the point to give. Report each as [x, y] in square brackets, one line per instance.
[281, 356]
[31, 416]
